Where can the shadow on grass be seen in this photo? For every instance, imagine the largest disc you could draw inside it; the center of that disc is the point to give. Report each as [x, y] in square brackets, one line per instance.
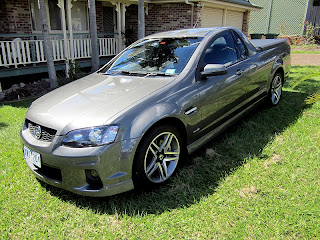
[201, 174]
[3, 125]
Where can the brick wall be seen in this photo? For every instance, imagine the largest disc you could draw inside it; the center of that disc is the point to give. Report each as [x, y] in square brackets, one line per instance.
[99, 17]
[245, 23]
[15, 17]
[165, 17]
[197, 15]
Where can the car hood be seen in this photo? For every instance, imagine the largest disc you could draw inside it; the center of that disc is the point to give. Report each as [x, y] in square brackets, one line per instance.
[91, 101]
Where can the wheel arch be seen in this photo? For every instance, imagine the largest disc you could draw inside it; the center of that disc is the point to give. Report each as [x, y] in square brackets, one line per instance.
[278, 69]
[171, 121]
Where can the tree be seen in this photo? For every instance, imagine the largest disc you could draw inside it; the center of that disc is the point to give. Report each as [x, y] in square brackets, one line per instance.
[141, 25]
[94, 36]
[47, 44]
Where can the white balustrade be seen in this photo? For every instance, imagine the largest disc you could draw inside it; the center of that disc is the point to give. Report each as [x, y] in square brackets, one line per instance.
[22, 52]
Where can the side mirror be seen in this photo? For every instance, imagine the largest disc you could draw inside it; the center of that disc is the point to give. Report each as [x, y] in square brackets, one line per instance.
[213, 70]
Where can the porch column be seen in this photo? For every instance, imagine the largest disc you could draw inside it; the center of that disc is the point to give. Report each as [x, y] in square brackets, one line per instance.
[118, 10]
[47, 44]
[94, 36]
[69, 6]
[141, 23]
[123, 17]
[65, 38]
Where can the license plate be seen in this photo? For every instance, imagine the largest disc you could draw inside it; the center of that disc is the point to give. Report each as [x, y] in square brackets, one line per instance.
[32, 156]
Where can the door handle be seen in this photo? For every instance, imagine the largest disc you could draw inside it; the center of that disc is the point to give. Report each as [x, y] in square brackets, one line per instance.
[239, 72]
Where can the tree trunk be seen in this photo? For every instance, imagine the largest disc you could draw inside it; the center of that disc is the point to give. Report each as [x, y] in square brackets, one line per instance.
[94, 36]
[141, 25]
[47, 44]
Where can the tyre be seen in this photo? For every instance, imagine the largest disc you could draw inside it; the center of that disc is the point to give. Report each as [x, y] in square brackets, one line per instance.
[157, 156]
[275, 91]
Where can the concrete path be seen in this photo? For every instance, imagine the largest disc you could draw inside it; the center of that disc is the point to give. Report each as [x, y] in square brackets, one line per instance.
[305, 59]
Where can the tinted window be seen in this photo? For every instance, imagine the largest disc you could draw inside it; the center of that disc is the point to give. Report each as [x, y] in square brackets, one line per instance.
[243, 53]
[221, 51]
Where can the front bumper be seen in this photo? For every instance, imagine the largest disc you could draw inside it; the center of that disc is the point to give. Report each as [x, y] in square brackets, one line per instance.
[68, 168]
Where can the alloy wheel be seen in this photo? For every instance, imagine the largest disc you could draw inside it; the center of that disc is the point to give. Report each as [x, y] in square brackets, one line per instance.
[276, 89]
[161, 157]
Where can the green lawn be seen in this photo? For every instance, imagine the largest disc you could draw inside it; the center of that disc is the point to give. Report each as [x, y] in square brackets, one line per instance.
[305, 51]
[309, 49]
[259, 180]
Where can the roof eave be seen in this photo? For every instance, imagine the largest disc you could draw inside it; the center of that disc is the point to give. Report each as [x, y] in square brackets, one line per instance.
[230, 4]
[217, 2]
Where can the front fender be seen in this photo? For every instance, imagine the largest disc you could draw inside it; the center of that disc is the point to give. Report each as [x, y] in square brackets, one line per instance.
[149, 117]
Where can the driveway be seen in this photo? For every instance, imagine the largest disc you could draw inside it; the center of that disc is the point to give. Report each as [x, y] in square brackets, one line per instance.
[305, 59]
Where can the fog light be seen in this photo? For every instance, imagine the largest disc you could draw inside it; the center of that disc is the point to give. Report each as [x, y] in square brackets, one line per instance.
[94, 173]
[93, 179]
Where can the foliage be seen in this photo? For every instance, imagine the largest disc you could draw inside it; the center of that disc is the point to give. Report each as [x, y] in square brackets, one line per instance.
[310, 33]
[75, 72]
[258, 180]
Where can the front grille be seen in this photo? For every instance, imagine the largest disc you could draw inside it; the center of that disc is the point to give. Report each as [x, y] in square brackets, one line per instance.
[47, 134]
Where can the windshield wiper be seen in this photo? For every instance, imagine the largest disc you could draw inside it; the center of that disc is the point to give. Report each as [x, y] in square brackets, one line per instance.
[158, 74]
[130, 73]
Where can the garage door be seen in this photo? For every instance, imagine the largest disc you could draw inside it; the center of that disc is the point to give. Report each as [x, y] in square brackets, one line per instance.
[234, 19]
[211, 17]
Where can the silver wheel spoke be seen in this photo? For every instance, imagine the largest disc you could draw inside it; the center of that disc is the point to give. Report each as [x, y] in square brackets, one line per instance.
[154, 152]
[278, 86]
[155, 146]
[171, 153]
[163, 171]
[166, 142]
[152, 167]
[168, 159]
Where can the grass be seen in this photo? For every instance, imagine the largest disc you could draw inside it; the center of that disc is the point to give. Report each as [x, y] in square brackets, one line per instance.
[307, 49]
[258, 180]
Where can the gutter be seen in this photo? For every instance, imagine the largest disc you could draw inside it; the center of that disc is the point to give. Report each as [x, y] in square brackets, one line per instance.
[192, 10]
[222, 3]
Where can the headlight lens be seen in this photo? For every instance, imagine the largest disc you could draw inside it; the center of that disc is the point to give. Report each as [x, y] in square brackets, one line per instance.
[91, 137]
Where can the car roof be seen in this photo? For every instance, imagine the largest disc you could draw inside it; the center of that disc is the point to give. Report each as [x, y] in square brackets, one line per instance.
[192, 32]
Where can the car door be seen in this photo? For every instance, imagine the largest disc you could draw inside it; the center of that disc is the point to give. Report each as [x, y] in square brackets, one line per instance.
[255, 81]
[221, 95]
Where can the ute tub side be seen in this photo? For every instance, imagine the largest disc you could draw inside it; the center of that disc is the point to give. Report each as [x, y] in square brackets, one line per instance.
[266, 44]
[279, 49]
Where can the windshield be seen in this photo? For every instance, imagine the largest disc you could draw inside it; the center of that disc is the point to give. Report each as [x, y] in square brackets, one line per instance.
[167, 56]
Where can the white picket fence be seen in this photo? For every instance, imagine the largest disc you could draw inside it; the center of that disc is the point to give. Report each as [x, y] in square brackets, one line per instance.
[22, 52]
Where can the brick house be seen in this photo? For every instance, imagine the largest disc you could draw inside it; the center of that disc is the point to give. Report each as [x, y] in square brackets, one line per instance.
[21, 38]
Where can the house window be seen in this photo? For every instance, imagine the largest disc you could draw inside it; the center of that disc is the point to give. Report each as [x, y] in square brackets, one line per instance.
[316, 3]
[54, 15]
[79, 15]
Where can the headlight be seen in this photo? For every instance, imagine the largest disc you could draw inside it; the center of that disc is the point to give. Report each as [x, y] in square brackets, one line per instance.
[91, 137]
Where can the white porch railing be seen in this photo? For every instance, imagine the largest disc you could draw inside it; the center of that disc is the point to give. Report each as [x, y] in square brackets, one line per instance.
[22, 52]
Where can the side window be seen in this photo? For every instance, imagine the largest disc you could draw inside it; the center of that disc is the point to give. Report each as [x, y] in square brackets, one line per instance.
[243, 53]
[221, 51]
